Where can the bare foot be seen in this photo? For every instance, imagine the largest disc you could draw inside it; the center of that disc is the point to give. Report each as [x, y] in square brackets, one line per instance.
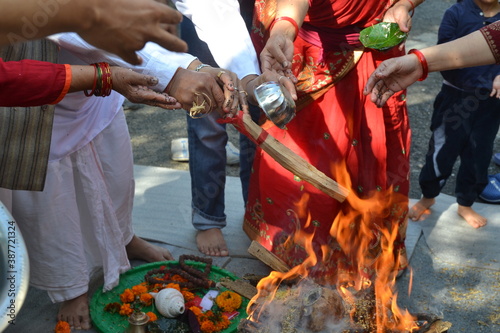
[138, 248]
[76, 313]
[211, 242]
[420, 210]
[471, 216]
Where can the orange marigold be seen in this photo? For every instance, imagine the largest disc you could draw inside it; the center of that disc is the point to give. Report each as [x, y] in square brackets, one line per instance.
[207, 326]
[179, 278]
[174, 286]
[146, 299]
[152, 316]
[188, 296]
[62, 327]
[139, 289]
[126, 310]
[196, 310]
[127, 296]
[228, 301]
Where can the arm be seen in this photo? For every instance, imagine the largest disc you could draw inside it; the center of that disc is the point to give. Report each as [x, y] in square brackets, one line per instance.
[118, 26]
[278, 51]
[398, 73]
[32, 83]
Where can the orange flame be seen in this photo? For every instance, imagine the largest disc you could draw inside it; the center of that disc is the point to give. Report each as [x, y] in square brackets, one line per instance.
[370, 250]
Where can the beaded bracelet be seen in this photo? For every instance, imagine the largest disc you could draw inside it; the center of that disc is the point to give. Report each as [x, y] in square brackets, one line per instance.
[423, 62]
[102, 80]
[289, 19]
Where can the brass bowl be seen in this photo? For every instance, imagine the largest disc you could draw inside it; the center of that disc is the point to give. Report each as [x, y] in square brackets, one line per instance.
[276, 103]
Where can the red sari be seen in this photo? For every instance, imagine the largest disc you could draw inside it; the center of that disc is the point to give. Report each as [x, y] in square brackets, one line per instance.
[343, 134]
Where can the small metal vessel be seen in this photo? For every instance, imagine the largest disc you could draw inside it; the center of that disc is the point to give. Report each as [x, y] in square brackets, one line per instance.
[276, 103]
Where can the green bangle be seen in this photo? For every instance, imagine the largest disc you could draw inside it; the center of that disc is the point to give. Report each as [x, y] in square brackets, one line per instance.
[197, 69]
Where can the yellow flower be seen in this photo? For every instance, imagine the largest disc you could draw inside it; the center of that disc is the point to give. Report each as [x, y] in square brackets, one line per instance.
[228, 301]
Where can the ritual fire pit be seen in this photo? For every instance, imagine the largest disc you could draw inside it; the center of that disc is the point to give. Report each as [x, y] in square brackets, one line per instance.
[297, 304]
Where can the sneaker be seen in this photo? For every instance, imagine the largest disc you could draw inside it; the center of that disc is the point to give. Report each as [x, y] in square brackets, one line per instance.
[179, 150]
[491, 192]
[496, 159]
[232, 154]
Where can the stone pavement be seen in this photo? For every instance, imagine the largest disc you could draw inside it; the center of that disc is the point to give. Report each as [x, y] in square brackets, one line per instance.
[456, 270]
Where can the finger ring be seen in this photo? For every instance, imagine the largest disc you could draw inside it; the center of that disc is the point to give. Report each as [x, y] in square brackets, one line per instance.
[279, 80]
[220, 74]
[244, 92]
[236, 89]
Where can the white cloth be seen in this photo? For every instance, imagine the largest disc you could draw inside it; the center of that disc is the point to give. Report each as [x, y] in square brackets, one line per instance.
[220, 25]
[78, 119]
[82, 220]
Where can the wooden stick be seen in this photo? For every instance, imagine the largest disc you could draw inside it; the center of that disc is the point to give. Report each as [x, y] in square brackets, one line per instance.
[295, 163]
[267, 257]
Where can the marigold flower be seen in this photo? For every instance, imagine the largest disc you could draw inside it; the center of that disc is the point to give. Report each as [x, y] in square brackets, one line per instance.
[139, 289]
[127, 296]
[174, 286]
[177, 277]
[228, 301]
[146, 299]
[188, 296]
[62, 327]
[126, 310]
[207, 326]
[196, 310]
[152, 316]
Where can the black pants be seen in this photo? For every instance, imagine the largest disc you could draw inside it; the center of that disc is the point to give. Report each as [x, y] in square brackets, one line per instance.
[464, 124]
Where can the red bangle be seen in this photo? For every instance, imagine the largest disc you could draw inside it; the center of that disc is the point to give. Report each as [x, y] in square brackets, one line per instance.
[412, 8]
[289, 19]
[423, 62]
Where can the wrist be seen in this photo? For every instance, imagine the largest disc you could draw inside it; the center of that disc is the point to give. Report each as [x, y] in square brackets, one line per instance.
[423, 63]
[288, 24]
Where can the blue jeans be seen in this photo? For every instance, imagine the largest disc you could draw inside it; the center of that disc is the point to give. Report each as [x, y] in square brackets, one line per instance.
[207, 152]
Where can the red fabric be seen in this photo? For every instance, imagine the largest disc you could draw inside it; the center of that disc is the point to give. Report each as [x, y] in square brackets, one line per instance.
[31, 82]
[344, 135]
[491, 33]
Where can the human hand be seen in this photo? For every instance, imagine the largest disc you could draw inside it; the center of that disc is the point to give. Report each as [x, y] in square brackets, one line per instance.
[197, 92]
[133, 23]
[267, 76]
[277, 56]
[234, 94]
[400, 13]
[392, 75]
[134, 87]
[495, 89]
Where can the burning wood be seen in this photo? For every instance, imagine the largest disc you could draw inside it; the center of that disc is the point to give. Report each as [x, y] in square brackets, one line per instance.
[300, 305]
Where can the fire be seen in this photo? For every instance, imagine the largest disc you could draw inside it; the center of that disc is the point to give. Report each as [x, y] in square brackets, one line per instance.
[368, 277]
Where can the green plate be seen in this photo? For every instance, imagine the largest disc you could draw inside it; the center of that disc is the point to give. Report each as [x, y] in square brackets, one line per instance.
[106, 322]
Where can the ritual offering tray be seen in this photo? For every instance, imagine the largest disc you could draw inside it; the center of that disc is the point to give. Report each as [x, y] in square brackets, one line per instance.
[178, 297]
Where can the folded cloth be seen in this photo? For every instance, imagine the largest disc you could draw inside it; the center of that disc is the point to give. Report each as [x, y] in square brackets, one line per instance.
[491, 192]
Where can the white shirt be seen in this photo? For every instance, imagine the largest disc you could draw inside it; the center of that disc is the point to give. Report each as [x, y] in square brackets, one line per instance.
[219, 24]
